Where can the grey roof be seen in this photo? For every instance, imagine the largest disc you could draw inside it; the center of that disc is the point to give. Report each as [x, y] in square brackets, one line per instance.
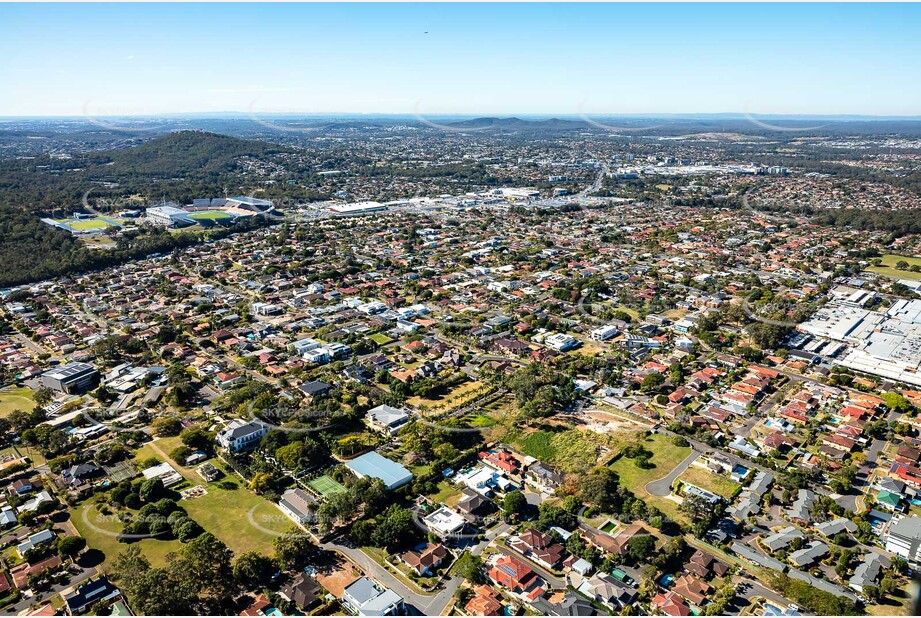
[833, 527]
[362, 590]
[752, 556]
[69, 371]
[821, 584]
[809, 554]
[907, 528]
[241, 431]
[802, 505]
[314, 387]
[867, 571]
[298, 501]
[761, 483]
[782, 538]
[571, 605]
[890, 484]
[748, 504]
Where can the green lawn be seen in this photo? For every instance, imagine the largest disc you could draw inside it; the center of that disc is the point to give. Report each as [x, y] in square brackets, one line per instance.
[889, 270]
[100, 533]
[380, 338]
[447, 493]
[245, 521]
[240, 518]
[15, 398]
[705, 479]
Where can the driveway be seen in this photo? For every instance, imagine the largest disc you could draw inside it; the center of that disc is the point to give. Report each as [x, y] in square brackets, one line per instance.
[663, 486]
[426, 604]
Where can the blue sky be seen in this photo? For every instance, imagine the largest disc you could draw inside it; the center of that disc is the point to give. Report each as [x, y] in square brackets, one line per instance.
[114, 59]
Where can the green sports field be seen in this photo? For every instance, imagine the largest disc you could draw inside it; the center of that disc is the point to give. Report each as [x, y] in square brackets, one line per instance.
[327, 486]
[888, 268]
[210, 215]
[15, 398]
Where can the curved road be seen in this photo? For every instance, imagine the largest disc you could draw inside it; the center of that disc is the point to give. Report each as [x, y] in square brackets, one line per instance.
[663, 487]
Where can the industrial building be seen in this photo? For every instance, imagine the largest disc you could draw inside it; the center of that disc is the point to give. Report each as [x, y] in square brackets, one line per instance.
[376, 466]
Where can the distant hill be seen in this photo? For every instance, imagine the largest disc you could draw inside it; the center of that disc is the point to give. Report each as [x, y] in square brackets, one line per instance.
[182, 153]
[520, 124]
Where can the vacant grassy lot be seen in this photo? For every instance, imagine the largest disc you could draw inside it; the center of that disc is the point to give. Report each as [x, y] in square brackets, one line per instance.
[15, 398]
[665, 456]
[244, 520]
[450, 399]
[889, 270]
[571, 450]
[720, 485]
[447, 493]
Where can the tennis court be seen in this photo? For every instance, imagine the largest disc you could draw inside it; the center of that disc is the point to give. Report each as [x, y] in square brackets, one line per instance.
[120, 471]
[327, 486]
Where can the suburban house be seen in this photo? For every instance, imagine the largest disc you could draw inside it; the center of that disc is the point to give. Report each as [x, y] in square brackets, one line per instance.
[539, 547]
[303, 591]
[298, 505]
[516, 576]
[486, 601]
[543, 477]
[426, 560]
[365, 597]
[241, 435]
[387, 419]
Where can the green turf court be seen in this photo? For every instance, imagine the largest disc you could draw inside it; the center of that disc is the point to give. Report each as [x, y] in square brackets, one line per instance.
[327, 486]
[380, 338]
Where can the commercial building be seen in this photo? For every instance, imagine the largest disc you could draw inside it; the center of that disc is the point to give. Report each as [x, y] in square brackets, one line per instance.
[169, 215]
[358, 208]
[603, 333]
[886, 344]
[71, 378]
